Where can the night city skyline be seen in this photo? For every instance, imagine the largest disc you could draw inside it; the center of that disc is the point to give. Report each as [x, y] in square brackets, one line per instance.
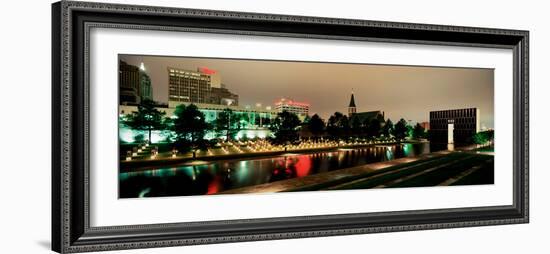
[408, 92]
[197, 126]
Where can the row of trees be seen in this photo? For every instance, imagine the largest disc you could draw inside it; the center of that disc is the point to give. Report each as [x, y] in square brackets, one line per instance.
[340, 126]
[189, 125]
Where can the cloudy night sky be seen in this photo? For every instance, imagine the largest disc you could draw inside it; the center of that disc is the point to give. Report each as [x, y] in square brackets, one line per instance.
[408, 92]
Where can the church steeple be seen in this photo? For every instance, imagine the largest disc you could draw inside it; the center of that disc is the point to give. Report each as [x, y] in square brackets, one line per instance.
[351, 108]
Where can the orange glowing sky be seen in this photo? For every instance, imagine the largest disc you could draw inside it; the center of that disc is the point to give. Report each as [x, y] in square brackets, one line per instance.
[408, 92]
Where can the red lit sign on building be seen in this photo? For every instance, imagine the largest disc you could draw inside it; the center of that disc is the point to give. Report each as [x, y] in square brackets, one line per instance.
[207, 71]
[285, 101]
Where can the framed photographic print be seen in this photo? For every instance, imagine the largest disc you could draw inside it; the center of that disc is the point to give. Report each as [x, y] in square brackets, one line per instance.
[180, 126]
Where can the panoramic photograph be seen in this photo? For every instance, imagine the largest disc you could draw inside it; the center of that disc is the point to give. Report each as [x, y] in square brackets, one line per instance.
[190, 126]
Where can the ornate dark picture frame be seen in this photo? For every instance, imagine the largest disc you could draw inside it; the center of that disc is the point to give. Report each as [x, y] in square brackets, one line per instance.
[71, 23]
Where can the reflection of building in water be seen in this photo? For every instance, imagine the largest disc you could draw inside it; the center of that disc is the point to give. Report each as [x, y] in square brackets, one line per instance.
[253, 122]
[454, 125]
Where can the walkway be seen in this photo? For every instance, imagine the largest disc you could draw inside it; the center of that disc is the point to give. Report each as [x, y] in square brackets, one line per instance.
[439, 168]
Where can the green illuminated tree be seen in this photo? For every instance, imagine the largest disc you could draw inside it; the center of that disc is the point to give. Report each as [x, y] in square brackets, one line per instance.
[190, 127]
[483, 137]
[316, 125]
[146, 118]
[284, 127]
[400, 130]
[306, 119]
[227, 123]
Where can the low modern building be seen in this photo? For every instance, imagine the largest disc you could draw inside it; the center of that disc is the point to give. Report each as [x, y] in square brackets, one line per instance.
[425, 125]
[454, 125]
[301, 109]
[222, 96]
[253, 122]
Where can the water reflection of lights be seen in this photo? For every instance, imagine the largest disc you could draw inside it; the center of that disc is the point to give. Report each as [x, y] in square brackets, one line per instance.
[341, 156]
[196, 163]
[303, 166]
[389, 153]
[216, 176]
[190, 171]
[242, 171]
[406, 149]
[289, 154]
[213, 186]
[144, 192]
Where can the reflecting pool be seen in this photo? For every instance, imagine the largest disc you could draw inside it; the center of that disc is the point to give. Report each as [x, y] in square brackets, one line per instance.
[216, 176]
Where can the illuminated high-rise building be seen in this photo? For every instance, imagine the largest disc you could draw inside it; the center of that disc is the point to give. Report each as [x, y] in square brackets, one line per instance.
[189, 86]
[201, 86]
[129, 83]
[301, 109]
[135, 85]
[145, 87]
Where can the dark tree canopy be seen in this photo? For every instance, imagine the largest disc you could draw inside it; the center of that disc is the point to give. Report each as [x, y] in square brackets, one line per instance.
[387, 129]
[316, 125]
[284, 127]
[373, 127]
[418, 131]
[356, 126]
[146, 118]
[190, 126]
[400, 130]
[338, 125]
